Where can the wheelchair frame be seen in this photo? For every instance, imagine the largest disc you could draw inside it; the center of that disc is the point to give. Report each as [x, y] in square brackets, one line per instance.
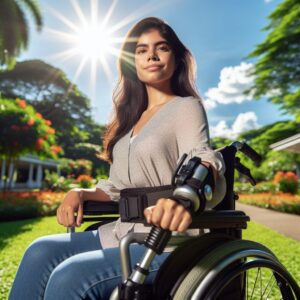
[213, 267]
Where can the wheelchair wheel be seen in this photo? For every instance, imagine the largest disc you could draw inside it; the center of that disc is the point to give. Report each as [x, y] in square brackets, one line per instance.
[179, 263]
[263, 279]
[238, 269]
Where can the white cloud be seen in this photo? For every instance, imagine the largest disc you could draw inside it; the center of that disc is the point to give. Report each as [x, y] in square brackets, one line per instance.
[267, 1]
[243, 122]
[233, 82]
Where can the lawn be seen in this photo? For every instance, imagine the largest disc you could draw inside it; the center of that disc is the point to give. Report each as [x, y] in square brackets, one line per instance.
[16, 236]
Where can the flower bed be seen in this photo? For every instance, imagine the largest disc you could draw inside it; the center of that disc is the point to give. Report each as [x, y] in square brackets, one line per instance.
[24, 205]
[280, 201]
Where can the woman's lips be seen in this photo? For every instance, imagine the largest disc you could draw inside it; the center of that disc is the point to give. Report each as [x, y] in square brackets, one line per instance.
[153, 68]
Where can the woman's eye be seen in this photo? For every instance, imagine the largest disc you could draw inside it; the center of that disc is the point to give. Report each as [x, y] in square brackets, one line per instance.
[140, 51]
[164, 48]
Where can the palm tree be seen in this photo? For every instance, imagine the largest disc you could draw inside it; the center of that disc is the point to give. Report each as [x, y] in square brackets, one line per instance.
[14, 28]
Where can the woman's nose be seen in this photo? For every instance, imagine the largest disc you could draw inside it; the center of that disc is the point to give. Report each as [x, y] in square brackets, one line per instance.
[153, 56]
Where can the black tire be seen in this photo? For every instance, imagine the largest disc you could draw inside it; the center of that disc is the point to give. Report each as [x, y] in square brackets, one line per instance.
[206, 276]
[271, 281]
[180, 262]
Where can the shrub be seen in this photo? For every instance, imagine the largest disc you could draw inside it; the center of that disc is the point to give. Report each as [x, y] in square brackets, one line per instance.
[287, 182]
[85, 181]
[75, 168]
[25, 205]
[57, 183]
[280, 202]
[25, 131]
[261, 187]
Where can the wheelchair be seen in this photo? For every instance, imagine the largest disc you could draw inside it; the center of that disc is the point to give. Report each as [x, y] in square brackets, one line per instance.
[216, 265]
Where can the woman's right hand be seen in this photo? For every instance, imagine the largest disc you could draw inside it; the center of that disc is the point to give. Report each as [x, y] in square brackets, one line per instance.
[72, 203]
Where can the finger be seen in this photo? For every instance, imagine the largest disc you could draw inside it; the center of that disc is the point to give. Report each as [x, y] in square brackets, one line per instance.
[166, 220]
[148, 213]
[79, 215]
[70, 217]
[157, 214]
[170, 209]
[178, 216]
[58, 217]
[184, 224]
[63, 216]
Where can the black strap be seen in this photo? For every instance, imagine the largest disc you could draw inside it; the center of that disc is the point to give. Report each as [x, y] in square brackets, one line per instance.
[187, 204]
[148, 190]
[133, 201]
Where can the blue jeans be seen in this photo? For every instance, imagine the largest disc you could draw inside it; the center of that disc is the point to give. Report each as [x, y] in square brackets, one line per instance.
[72, 266]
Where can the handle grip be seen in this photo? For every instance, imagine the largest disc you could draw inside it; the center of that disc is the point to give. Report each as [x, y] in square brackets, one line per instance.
[248, 151]
[157, 239]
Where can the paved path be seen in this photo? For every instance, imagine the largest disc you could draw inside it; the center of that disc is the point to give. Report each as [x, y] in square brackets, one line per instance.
[286, 224]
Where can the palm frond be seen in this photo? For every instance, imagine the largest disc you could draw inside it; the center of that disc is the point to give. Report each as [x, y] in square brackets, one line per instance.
[34, 9]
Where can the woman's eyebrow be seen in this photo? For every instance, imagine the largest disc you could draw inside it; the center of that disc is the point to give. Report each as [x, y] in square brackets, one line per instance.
[156, 44]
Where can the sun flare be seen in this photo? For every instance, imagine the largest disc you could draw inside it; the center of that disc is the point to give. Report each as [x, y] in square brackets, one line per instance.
[94, 42]
[91, 39]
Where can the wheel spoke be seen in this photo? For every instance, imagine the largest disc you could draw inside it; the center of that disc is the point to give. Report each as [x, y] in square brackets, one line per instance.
[254, 285]
[261, 283]
[259, 270]
[266, 278]
[247, 284]
[268, 285]
[271, 287]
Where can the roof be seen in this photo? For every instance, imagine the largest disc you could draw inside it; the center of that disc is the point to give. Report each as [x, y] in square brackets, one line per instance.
[29, 158]
[291, 144]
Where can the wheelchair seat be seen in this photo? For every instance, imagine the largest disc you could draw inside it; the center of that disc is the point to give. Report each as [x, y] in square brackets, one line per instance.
[104, 212]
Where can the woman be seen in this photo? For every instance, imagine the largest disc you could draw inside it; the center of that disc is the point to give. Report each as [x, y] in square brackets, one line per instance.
[158, 117]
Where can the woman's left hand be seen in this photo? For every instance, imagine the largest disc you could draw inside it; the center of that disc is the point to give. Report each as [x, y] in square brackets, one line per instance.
[168, 214]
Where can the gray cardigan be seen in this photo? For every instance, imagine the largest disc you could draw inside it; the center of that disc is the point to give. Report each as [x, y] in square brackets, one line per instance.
[180, 126]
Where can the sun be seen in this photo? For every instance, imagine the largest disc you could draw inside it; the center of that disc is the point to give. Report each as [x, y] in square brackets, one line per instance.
[87, 40]
[90, 40]
[94, 42]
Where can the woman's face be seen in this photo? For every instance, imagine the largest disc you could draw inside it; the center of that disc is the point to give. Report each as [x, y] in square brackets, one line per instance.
[154, 58]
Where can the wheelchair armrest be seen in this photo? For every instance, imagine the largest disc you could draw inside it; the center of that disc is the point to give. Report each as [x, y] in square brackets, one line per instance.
[221, 219]
[92, 208]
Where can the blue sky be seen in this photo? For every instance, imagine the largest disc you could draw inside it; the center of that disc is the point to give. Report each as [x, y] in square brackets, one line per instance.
[219, 33]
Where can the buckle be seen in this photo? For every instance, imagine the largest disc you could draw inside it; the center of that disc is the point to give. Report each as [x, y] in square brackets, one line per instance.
[132, 208]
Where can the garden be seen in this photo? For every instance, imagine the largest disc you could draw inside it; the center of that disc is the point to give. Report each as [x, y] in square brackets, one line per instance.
[281, 194]
[45, 115]
[16, 205]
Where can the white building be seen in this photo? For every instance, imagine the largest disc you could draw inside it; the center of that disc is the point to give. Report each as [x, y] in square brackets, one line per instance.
[27, 172]
[291, 144]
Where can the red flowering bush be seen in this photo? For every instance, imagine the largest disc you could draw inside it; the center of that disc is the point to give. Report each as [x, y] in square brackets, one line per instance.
[280, 202]
[23, 130]
[287, 182]
[84, 181]
[75, 168]
[24, 205]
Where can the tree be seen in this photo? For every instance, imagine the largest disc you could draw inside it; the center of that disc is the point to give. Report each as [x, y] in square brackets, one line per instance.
[279, 131]
[23, 130]
[220, 142]
[273, 161]
[14, 28]
[261, 139]
[277, 71]
[52, 94]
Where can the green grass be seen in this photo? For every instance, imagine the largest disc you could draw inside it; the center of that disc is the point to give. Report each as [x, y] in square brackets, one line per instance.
[16, 236]
[14, 239]
[286, 249]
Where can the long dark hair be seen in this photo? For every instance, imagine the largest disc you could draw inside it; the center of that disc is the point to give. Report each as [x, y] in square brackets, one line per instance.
[130, 97]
